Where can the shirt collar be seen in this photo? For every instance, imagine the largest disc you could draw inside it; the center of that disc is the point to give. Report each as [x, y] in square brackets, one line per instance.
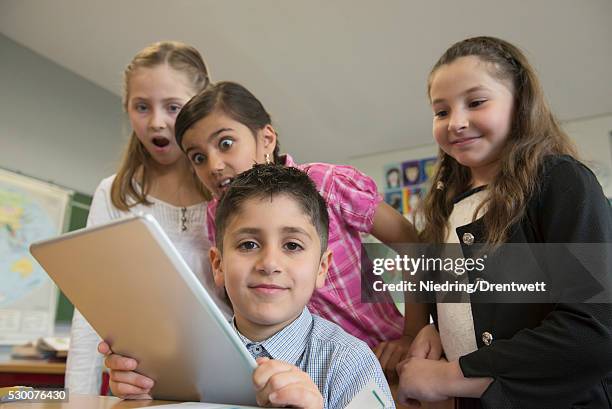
[289, 343]
[468, 193]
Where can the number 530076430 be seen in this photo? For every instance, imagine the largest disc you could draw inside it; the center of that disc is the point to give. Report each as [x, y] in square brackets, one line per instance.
[33, 395]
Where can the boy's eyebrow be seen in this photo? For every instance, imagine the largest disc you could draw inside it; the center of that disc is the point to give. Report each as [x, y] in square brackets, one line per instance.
[286, 229]
[473, 89]
[292, 229]
[247, 230]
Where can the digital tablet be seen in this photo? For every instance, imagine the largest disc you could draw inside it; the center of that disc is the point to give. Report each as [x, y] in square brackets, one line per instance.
[134, 288]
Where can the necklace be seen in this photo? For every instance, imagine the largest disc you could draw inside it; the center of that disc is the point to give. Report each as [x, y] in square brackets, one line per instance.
[183, 219]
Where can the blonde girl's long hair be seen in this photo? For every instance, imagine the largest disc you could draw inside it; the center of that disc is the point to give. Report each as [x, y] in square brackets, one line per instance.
[534, 134]
[136, 163]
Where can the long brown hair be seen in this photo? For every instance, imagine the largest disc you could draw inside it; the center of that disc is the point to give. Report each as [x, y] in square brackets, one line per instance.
[136, 162]
[534, 134]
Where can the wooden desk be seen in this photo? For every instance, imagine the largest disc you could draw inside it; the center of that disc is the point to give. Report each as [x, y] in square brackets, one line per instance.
[37, 373]
[33, 366]
[88, 402]
[29, 372]
[109, 402]
[32, 373]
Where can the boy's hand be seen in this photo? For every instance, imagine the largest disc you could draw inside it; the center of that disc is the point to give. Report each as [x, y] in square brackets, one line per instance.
[391, 353]
[280, 384]
[124, 382]
[427, 344]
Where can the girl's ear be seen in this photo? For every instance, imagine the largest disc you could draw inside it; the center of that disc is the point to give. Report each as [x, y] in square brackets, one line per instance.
[268, 139]
[216, 265]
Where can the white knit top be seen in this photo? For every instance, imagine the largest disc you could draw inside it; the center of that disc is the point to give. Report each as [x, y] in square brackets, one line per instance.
[455, 320]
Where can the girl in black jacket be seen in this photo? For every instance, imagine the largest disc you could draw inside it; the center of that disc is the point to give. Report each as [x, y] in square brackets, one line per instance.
[507, 174]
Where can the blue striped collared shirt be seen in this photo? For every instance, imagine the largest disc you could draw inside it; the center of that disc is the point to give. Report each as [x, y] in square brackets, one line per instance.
[338, 363]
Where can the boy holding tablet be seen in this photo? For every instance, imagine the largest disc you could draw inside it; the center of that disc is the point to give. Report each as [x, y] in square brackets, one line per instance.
[272, 230]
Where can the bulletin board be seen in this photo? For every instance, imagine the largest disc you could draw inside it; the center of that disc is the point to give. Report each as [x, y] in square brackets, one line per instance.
[406, 183]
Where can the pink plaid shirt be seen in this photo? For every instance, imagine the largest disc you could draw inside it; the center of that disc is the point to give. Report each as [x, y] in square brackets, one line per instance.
[352, 199]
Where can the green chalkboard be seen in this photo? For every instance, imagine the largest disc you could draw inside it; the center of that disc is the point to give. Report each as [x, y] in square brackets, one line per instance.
[79, 209]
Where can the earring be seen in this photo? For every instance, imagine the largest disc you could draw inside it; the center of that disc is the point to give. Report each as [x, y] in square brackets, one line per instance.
[440, 185]
[268, 160]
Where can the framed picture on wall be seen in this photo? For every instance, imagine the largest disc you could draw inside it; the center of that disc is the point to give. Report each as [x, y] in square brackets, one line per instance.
[411, 199]
[393, 176]
[428, 166]
[395, 199]
[411, 173]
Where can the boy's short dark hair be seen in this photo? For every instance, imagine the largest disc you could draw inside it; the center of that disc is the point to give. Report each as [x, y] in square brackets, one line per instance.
[273, 180]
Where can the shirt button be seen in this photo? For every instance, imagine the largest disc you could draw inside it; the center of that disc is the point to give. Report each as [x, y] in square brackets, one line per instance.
[487, 338]
[468, 238]
[257, 349]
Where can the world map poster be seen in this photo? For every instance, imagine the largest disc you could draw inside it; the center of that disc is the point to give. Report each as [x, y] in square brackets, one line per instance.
[30, 210]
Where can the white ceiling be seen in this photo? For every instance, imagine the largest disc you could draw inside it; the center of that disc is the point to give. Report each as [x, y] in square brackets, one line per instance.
[341, 78]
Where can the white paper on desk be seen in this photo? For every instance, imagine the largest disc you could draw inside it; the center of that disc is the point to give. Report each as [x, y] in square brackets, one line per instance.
[200, 405]
[370, 397]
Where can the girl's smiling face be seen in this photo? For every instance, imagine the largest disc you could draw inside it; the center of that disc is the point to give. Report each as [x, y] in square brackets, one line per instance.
[219, 148]
[472, 115]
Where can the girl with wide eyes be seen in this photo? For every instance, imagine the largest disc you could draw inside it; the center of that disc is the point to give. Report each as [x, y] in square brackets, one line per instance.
[154, 177]
[225, 130]
[507, 174]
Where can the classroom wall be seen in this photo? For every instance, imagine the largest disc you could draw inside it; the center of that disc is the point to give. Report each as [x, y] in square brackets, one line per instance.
[592, 137]
[54, 124]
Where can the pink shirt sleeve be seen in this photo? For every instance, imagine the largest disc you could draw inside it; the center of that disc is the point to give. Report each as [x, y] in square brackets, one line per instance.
[351, 193]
